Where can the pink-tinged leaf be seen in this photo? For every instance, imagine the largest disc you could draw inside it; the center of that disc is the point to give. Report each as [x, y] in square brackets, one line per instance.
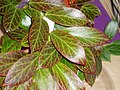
[68, 46]
[8, 59]
[38, 34]
[22, 70]
[67, 16]
[66, 78]
[49, 56]
[90, 67]
[88, 36]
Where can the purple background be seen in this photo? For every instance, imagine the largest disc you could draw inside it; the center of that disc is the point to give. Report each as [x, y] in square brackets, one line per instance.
[102, 20]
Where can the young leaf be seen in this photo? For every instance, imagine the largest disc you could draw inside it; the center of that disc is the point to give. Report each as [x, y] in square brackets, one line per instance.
[111, 29]
[66, 78]
[12, 18]
[22, 70]
[49, 56]
[8, 59]
[38, 34]
[90, 67]
[67, 16]
[68, 46]
[88, 36]
[9, 44]
[91, 11]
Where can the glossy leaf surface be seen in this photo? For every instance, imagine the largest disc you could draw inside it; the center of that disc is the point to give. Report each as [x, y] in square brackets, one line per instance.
[67, 16]
[88, 36]
[38, 34]
[68, 46]
[22, 70]
[49, 56]
[8, 59]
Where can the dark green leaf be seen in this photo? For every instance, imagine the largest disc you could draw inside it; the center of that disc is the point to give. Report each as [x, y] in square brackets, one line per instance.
[116, 42]
[22, 70]
[67, 16]
[9, 44]
[38, 34]
[49, 56]
[111, 29]
[66, 78]
[80, 75]
[8, 59]
[91, 11]
[88, 36]
[68, 46]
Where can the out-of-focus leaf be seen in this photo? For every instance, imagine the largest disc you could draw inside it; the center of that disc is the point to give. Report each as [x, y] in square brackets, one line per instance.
[80, 75]
[12, 18]
[49, 56]
[9, 44]
[90, 67]
[22, 70]
[8, 59]
[111, 29]
[45, 5]
[18, 35]
[91, 11]
[45, 80]
[105, 55]
[116, 42]
[67, 16]
[68, 46]
[88, 36]
[1, 81]
[66, 78]
[38, 34]
[0, 19]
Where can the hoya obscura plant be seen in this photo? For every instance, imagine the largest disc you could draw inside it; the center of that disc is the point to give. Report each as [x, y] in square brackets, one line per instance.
[61, 55]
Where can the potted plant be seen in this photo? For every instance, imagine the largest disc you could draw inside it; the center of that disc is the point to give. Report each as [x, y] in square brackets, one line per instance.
[39, 55]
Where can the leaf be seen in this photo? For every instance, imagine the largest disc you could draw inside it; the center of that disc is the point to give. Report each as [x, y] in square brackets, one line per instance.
[9, 44]
[18, 35]
[116, 42]
[105, 55]
[49, 56]
[1, 81]
[80, 75]
[66, 79]
[8, 59]
[111, 28]
[45, 5]
[80, 2]
[38, 34]
[12, 18]
[24, 41]
[88, 36]
[113, 48]
[68, 46]
[91, 11]
[22, 70]
[90, 67]
[67, 16]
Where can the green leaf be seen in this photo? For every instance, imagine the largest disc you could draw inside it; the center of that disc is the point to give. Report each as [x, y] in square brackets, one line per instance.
[105, 55]
[80, 75]
[80, 2]
[24, 41]
[66, 78]
[49, 56]
[68, 46]
[1, 81]
[91, 11]
[12, 18]
[8, 59]
[113, 48]
[22, 70]
[1, 19]
[17, 35]
[90, 67]
[116, 42]
[88, 36]
[38, 34]
[111, 28]
[9, 44]
[67, 16]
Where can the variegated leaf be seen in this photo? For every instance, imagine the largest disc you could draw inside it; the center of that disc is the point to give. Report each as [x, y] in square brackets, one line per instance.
[38, 34]
[67, 16]
[68, 46]
[49, 56]
[22, 70]
[8, 59]
[88, 36]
